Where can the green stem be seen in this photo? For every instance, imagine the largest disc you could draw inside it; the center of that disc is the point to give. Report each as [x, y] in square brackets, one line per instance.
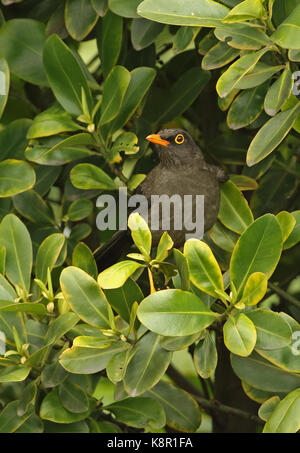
[288, 297]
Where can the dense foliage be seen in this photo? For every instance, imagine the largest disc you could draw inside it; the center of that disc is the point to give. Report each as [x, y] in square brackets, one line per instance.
[81, 85]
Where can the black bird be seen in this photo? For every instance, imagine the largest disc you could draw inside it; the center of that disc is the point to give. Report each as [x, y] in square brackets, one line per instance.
[182, 171]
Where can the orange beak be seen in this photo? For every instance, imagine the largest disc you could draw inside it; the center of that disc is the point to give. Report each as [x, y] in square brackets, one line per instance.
[156, 138]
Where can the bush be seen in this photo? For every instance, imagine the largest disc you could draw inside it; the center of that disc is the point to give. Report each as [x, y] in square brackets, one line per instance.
[79, 91]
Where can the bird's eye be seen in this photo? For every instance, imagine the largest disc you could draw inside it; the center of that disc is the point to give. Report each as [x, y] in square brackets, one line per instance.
[179, 139]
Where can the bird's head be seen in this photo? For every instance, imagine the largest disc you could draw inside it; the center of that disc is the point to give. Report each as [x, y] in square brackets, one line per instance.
[175, 146]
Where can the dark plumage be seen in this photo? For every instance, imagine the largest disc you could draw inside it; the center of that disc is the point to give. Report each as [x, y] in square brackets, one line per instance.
[182, 170]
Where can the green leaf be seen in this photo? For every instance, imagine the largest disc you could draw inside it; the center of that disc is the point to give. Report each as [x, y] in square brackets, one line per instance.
[10, 421]
[287, 222]
[197, 12]
[183, 269]
[222, 237]
[92, 342]
[247, 107]
[83, 258]
[53, 374]
[114, 90]
[205, 273]
[287, 34]
[34, 308]
[286, 416]
[140, 82]
[266, 409]
[178, 343]
[263, 375]
[16, 176]
[72, 397]
[13, 139]
[80, 209]
[100, 6]
[75, 9]
[147, 364]
[15, 373]
[53, 410]
[246, 10]
[46, 176]
[139, 412]
[116, 366]
[234, 211]
[239, 335]
[125, 8]
[89, 176]
[121, 299]
[294, 237]
[230, 79]
[84, 297]
[115, 276]
[65, 76]
[4, 84]
[21, 44]
[259, 74]
[255, 288]
[173, 312]
[32, 206]
[242, 36]
[182, 411]
[183, 38]
[257, 250]
[273, 332]
[164, 245]
[206, 356]
[80, 360]
[109, 41]
[278, 93]
[218, 56]
[52, 121]
[15, 238]
[271, 135]
[140, 233]
[60, 326]
[144, 32]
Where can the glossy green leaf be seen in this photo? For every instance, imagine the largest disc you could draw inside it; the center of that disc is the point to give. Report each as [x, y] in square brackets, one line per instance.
[46, 176]
[239, 335]
[72, 397]
[121, 299]
[83, 258]
[21, 44]
[52, 375]
[139, 412]
[80, 209]
[294, 237]
[53, 410]
[114, 90]
[257, 250]
[89, 176]
[286, 416]
[255, 288]
[140, 233]
[205, 273]
[32, 206]
[178, 343]
[206, 356]
[173, 312]
[182, 411]
[244, 182]
[100, 6]
[287, 34]
[246, 10]
[26, 307]
[15, 238]
[259, 74]
[266, 409]
[230, 79]
[271, 135]
[278, 93]
[183, 38]
[204, 12]
[218, 56]
[144, 32]
[15, 373]
[263, 375]
[10, 421]
[84, 296]
[116, 366]
[125, 8]
[273, 332]
[82, 360]
[242, 36]
[65, 76]
[147, 365]
[115, 276]
[16, 177]
[287, 222]
[183, 269]
[234, 211]
[109, 41]
[50, 122]
[246, 107]
[60, 326]
[75, 9]
[222, 237]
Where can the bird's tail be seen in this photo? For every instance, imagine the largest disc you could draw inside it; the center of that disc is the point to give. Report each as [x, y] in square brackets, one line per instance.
[110, 253]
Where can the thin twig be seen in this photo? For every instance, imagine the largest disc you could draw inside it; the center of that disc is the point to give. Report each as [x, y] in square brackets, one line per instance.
[285, 295]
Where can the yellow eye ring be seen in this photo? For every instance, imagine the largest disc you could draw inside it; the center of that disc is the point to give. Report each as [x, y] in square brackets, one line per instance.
[179, 139]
